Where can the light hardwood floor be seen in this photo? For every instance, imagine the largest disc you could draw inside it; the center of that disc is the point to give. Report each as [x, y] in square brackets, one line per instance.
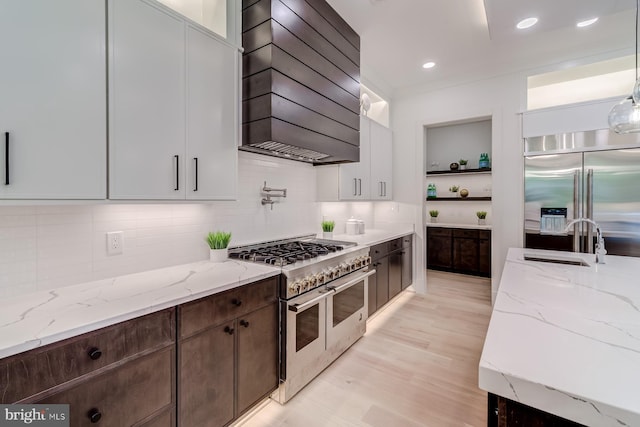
[417, 365]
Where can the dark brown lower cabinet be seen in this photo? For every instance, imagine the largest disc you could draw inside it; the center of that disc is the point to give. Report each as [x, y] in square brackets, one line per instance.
[393, 261]
[439, 248]
[466, 251]
[257, 356]
[227, 366]
[395, 273]
[504, 412]
[133, 393]
[206, 384]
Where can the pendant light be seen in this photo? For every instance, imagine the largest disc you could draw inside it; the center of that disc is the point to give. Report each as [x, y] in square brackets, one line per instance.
[624, 117]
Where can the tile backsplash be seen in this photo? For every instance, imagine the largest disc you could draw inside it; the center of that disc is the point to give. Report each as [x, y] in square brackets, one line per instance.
[51, 246]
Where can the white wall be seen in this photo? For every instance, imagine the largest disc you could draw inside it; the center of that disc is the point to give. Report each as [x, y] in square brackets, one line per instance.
[48, 246]
[500, 98]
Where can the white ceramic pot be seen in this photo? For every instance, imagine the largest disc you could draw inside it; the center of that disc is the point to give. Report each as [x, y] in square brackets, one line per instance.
[360, 226]
[218, 255]
[327, 234]
[482, 221]
[463, 167]
[434, 219]
[352, 226]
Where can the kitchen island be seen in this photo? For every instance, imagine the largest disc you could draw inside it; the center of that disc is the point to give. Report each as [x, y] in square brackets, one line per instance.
[565, 339]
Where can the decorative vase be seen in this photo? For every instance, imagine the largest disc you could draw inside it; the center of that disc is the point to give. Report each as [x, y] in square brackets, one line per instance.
[218, 255]
[327, 234]
[482, 221]
[434, 219]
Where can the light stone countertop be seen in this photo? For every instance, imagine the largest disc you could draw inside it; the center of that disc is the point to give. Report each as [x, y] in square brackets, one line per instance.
[566, 339]
[33, 320]
[453, 225]
[373, 236]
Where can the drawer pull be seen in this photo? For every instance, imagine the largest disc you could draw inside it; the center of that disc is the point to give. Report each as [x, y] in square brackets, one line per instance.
[236, 302]
[94, 353]
[94, 415]
[244, 323]
[228, 330]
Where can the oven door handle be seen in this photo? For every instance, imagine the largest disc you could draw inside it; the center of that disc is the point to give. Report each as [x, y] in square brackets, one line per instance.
[351, 283]
[297, 308]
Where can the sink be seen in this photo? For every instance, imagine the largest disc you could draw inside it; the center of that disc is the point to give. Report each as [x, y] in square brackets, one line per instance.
[556, 259]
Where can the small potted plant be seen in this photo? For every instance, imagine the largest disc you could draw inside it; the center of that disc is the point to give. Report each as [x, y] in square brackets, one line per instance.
[463, 164]
[454, 189]
[327, 229]
[218, 242]
[482, 215]
[434, 215]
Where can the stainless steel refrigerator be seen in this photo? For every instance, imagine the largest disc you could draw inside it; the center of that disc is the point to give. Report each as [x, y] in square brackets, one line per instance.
[593, 175]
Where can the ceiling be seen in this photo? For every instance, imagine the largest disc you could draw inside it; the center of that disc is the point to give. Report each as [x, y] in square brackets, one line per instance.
[471, 39]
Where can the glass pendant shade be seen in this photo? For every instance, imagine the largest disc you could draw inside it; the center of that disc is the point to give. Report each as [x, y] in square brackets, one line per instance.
[624, 117]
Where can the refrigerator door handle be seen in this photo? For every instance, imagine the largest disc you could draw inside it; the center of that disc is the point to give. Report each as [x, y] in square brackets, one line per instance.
[576, 211]
[589, 213]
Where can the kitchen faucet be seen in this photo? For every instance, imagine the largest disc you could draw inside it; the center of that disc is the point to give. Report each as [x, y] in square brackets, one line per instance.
[600, 250]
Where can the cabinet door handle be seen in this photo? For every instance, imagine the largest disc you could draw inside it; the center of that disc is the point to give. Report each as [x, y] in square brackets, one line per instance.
[355, 186]
[360, 187]
[236, 302]
[244, 323]
[381, 194]
[94, 353]
[6, 158]
[94, 415]
[228, 330]
[385, 189]
[177, 172]
[195, 160]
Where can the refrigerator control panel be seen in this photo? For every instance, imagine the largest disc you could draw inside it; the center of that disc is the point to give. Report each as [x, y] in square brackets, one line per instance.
[553, 220]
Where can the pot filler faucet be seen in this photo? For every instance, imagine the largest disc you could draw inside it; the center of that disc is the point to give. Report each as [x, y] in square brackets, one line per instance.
[600, 250]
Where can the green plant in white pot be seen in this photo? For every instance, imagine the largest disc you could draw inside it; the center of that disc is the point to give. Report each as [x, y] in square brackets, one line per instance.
[327, 229]
[218, 242]
[434, 215]
[463, 164]
[482, 215]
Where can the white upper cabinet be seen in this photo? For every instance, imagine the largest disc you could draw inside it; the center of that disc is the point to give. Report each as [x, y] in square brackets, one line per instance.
[173, 118]
[146, 102]
[370, 178]
[381, 162]
[355, 183]
[52, 99]
[212, 109]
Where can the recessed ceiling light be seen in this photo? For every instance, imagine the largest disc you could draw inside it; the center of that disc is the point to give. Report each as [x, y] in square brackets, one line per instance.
[527, 23]
[429, 65]
[587, 22]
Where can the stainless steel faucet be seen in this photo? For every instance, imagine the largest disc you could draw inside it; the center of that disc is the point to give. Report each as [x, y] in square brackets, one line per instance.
[600, 250]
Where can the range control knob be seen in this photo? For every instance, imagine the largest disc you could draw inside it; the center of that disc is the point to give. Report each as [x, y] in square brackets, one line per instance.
[320, 278]
[344, 268]
[295, 286]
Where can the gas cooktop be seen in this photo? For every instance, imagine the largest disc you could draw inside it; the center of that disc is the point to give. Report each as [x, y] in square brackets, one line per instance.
[285, 252]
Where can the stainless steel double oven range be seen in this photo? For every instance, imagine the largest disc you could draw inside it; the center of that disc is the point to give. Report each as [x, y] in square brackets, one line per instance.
[323, 302]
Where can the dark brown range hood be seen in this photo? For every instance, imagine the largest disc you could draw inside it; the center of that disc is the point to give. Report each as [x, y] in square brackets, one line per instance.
[301, 82]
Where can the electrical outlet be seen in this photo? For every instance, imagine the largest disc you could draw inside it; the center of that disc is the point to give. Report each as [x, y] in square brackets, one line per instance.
[115, 242]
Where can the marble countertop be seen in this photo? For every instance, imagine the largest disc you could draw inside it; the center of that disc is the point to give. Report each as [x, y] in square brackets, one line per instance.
[44, 317]
[453, 225]
[373, 236]
[566, 339]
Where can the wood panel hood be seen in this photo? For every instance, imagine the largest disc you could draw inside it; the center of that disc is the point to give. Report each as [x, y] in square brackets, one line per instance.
[301, 82]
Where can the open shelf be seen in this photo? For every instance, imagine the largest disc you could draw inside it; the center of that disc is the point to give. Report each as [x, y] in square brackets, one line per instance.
[458, 199]
[459, 172]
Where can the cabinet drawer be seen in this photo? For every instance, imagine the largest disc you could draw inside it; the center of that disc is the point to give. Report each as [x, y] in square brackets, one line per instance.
[407, 241]
[395, 244]
[484, 234]
[210, 311]
[125, 395]
[60, 362]
[439, 231]
[378, 251]
[467, 234]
